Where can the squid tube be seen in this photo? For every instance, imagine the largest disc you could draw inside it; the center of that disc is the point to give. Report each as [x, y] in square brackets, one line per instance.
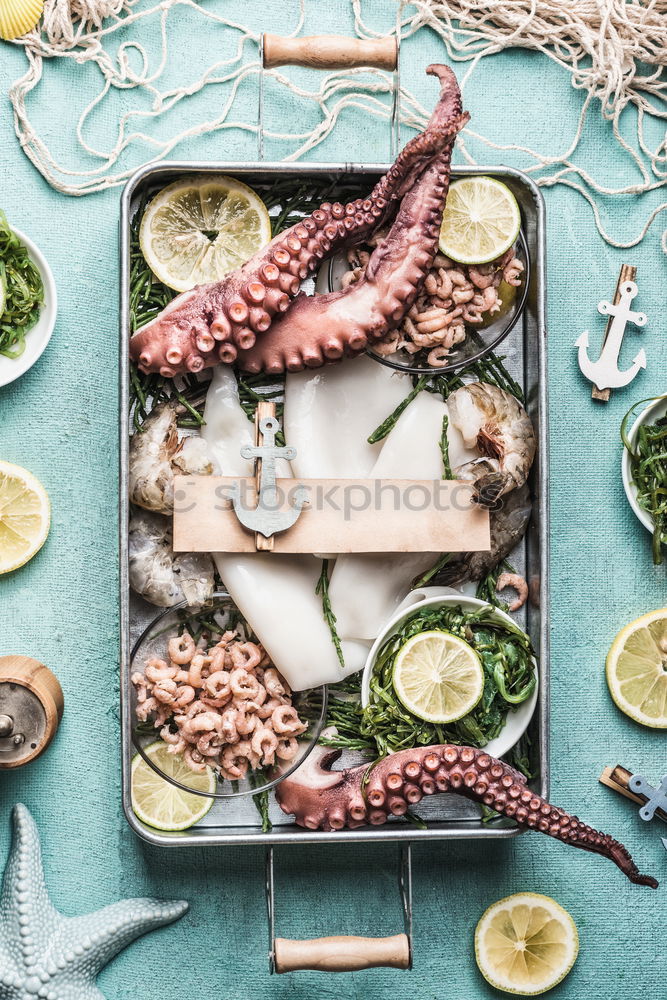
[274, 592]
[365, 589]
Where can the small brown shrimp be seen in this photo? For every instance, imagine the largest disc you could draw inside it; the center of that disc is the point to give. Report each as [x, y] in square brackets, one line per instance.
[165, 691]
[141, 687]
[287, 749]
[264, 743]
[185, 695]
[228, 725]
[512, 272]
[145, 708]
[193, 676]
[286, 722]
[206, 722]
[247, 655]
[481, 275]
[181, 649]
[518, 583]
[194, 760]
[243, 684]
[246, 718]
[175, 741]
[216, 690]
[158, 670]
[266, 710]
[275, 684]
[209, 744]
[233, 764]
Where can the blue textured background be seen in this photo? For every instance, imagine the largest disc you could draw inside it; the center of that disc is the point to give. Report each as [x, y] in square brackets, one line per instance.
[60, 422]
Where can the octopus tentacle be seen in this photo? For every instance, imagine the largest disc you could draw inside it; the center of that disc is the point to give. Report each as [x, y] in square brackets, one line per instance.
[322, 799]
[210, 323]
[321, 328]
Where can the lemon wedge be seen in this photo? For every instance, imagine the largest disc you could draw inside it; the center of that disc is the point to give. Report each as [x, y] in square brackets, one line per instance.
[201, 228]
[526, 944]
[438, 677]
[162, 805]
[480, 222]
[25, 516]
[637, 669]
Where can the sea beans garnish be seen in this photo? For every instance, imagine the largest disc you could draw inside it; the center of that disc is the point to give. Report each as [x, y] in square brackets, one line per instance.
[21, 292]
[386, 726]
[648, 465]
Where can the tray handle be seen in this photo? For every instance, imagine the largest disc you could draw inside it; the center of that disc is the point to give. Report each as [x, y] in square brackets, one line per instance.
[342, 954]
[329, 52]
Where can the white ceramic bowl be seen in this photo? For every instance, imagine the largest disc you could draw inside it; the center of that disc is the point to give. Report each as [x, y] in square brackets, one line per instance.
[37, 338]
[653, 411]
[439, 597]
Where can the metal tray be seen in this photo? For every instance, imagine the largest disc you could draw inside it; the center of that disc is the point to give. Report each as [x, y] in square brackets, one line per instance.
[449, 817]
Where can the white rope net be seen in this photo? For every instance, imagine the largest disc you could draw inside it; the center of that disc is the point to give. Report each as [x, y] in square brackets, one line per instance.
[615, 51]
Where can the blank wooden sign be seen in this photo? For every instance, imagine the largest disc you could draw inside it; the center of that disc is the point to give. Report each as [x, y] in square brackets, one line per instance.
[342, 515]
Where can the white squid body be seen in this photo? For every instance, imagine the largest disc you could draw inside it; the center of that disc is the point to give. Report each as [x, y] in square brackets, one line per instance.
[365, 589]
[274, 592]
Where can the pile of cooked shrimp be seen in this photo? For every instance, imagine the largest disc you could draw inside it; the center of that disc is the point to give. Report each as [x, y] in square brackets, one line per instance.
[223, 706]
[454, 297]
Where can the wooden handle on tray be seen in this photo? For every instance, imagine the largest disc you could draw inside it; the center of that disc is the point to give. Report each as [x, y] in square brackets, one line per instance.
[342, 954]
[330, 52]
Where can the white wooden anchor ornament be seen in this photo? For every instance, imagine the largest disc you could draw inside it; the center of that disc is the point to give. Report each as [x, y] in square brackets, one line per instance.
[605, 372]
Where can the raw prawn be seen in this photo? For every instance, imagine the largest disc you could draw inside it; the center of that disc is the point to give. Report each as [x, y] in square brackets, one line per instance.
[157, 573]
[496, 424]
[508, 526]
[157, 455]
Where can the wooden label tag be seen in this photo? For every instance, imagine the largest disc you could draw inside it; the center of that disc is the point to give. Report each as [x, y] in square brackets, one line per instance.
[340, 515]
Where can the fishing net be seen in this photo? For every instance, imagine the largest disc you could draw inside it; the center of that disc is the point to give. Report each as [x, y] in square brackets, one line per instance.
[612, 50]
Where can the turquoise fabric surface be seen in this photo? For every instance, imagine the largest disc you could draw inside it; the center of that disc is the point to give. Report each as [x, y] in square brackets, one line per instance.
[60, 421]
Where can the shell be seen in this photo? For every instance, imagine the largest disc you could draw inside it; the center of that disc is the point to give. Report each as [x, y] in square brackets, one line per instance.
[18, 17]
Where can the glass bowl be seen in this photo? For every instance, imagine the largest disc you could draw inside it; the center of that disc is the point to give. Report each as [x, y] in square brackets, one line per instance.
[219, 614]
[478, 341]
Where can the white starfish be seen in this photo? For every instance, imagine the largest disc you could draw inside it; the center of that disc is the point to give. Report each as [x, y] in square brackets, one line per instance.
[46, 956]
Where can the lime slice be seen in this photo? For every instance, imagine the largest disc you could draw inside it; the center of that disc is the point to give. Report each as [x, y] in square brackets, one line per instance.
[25, 516]
[438, 677]
[160, 804]
[526, 944]
[200, 229]
[480, 222]
[637, 669]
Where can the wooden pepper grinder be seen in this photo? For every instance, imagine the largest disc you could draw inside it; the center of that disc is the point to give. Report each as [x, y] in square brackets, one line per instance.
[31, 706]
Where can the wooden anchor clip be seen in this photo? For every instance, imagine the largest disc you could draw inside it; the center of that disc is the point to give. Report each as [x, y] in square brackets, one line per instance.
[605, 373]
[636, 788]
[266, 518]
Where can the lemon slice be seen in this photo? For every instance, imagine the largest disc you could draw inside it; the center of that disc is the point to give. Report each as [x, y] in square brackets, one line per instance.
[200, 229]
[438, 677]
[525, 944]
[25, 516]
[480, 222]
[160, 804]
[637, 669]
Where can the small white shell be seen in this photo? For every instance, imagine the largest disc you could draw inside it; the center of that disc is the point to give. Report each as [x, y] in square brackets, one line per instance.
[18, 17]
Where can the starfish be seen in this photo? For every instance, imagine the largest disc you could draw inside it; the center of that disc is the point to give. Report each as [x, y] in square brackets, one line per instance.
[47, 956]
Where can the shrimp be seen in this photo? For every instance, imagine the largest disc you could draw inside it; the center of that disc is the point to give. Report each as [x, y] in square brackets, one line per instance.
[517, 583]
[286, 722]
[181, 649]
[234, 762]
[493, 421]
[275, 685]
[216, 690]
[159, 575]
[264, 744]
[156, 455]
[287, 749]
[508, 526]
